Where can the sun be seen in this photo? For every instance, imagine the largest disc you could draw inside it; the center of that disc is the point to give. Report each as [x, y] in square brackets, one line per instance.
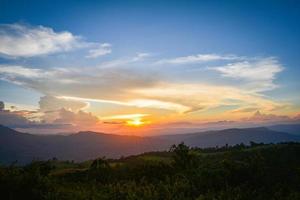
[136, 122]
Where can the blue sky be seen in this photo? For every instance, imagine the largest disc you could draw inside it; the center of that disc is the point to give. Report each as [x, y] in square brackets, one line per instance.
[146, 42]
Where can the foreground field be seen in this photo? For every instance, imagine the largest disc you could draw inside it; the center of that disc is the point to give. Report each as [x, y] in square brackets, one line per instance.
[239, 172]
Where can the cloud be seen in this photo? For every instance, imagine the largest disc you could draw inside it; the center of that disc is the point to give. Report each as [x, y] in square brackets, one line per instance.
[199, 58]
[20, 40]
[128, 116]
[12, 118]
[45, 119]
[141, 56]
[261, 117]
[133, 88]
[297, 117]
[65, 111]
[50, 103]
[16, 71]
[79, 118]
[51, 107]
[118, 82]
[111, 84]
[245, 110]
[152, 103]
[122, 62]
[101, 50]
[259, 74]
[197, 97]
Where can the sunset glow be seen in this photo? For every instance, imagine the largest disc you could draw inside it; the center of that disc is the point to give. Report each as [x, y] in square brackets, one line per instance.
[148, 71]
[135, 122]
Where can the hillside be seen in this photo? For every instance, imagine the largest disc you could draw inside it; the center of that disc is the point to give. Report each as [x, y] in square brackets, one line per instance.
[24, 147]
[238, 172]
[232, 137]
[81, 146]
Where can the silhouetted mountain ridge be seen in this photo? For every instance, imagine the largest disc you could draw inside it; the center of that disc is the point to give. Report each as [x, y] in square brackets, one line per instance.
[86, 145]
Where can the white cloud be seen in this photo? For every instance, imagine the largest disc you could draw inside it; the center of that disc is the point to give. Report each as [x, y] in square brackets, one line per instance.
[122, 62]
[101, 50]
[51, 103]
[25, 41]
[199, 58]
[140, 56]
[20, 71]
[19, 40]
[79, 118]
[264, 69]
[259, 74]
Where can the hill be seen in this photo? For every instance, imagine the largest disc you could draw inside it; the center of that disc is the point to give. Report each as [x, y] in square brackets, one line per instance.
[239, 172]
[82, 146]
[232, 137]
[288, 128]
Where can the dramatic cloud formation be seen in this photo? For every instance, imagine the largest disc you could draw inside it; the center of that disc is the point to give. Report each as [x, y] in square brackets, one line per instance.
[13, 118]
[127, 87]
[200, 85]
[53, 107]
[79, 118]
[54, 114]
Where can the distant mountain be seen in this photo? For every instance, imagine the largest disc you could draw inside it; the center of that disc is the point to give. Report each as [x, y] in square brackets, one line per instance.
[288, 128]
[81, 146]
[231, 137]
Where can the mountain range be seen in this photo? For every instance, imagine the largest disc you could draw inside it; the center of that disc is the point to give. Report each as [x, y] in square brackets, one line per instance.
[81, 146]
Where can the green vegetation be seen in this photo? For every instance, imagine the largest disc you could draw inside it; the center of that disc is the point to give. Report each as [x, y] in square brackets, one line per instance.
[239, 172]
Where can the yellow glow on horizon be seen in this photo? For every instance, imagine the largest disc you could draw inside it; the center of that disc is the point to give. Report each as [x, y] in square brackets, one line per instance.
[136, 122]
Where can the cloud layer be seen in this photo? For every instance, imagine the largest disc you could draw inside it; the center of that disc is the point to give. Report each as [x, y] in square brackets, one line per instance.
[134, 87]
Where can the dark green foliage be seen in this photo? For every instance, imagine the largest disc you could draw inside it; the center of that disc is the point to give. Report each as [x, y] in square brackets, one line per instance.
[235, 172]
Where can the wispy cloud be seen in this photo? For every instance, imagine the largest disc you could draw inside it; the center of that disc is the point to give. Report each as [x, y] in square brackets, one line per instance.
[200, 97]
[128, 116]
[14, 71]
[199, 58]
[259, 74]
[101, 50]
[122, 62]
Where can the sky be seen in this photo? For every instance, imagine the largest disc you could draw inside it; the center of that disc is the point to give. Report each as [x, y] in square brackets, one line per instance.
[148, 67]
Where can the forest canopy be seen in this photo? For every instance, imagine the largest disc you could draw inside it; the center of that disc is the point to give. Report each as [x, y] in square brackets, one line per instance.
[251, 172]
